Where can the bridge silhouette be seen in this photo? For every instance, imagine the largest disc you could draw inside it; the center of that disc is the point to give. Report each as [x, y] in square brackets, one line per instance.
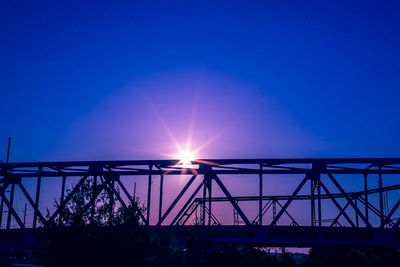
[331, 214]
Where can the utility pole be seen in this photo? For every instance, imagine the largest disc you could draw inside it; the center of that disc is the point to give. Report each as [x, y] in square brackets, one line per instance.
[12, 186]
[8, 149]
[2, 200]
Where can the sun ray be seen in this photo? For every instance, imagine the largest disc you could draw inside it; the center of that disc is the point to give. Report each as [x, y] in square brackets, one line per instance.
[171, 136]
[188, 156]
[191, 125]
[210, 140]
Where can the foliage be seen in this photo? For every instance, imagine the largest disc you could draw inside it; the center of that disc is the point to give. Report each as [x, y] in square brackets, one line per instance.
[107, 235]
[352, 256]
[103, 211]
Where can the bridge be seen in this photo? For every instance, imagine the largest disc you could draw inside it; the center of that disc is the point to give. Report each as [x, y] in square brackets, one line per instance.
[263, 202]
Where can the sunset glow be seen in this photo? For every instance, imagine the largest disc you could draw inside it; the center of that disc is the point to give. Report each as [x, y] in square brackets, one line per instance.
[186, 157]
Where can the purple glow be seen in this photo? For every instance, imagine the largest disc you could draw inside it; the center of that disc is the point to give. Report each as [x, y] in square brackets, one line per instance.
[146, 118]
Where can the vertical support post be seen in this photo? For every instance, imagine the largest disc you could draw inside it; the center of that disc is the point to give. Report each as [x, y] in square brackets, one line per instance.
[149, 195]
[2, 200]
[39, 181]
[196, 219]
[1, 211]
[161, 196]
[64, 178]
[260, 195]
[93, 208]
[209, 199]
[381, 196]
[274, 209]
[319, 199]
[235, 215]
[111, 211]
[312, 178]
[203, 211]
[11, 204]
[366, 195]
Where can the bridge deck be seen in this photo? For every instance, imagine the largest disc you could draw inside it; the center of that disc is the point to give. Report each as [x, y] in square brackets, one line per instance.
[368, 216]
[265, 236]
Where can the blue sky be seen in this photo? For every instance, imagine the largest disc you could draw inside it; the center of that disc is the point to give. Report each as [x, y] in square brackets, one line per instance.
[125, 79]
[98, 80]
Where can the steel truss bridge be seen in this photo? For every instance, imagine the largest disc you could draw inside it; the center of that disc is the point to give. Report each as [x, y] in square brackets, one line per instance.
[330, 214]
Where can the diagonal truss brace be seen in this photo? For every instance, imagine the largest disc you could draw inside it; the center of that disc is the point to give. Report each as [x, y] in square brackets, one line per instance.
[67, 199]
[387, 219]
[9, 206]
[337, 204]
[349, 200]
[233, 202]
[178, 216]
[283, 209]
[174, 203]
[33, 204]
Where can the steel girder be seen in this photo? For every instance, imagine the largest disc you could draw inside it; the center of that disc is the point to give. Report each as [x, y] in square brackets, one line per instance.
[319, 172]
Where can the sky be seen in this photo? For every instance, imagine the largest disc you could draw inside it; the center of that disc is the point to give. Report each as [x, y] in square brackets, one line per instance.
[278, 79]
[105, 80]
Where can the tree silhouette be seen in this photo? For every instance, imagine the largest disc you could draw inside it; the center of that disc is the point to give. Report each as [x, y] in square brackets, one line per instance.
[110, 235]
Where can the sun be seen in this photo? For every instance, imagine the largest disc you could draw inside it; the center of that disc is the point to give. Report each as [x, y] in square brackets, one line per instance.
[186, 157]
[186, 154]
